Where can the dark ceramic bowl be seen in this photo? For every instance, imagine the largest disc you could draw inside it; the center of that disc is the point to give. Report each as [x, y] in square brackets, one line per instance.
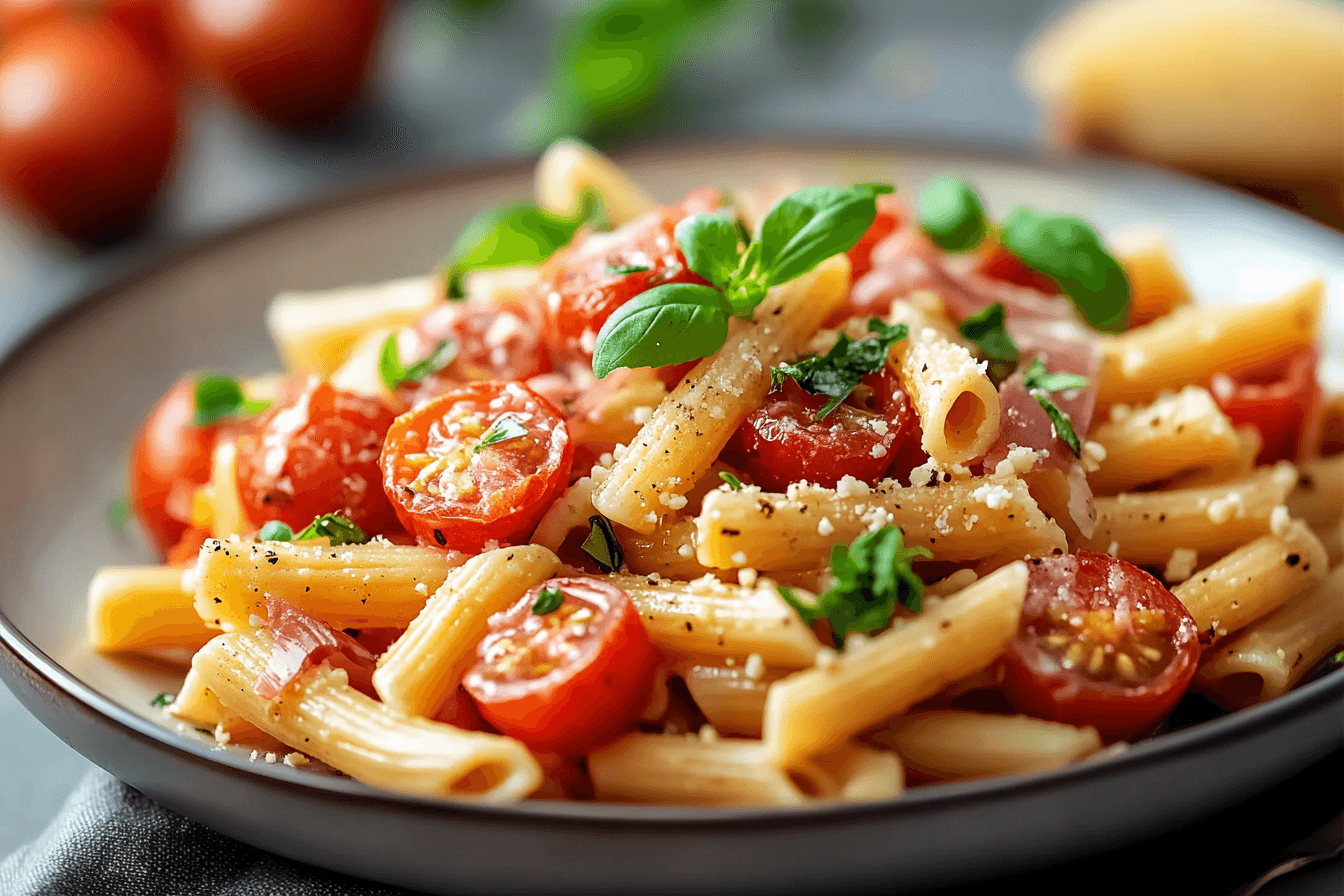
[73, 395]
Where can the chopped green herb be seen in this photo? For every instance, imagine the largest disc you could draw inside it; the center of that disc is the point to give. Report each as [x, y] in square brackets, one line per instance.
[394, 373]
[621, 270]
[836, 373]
[1040, 382]
[985, 329]
[274, 530]
[602, 545]
[118, 514]
[952, 214]
[872, 576]
[335, 527]
[733, 482]
[163, 700]
[504, 429]
[220, 397]
[548, 600]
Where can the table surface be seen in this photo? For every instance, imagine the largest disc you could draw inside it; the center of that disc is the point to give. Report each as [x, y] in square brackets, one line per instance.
[447, 92]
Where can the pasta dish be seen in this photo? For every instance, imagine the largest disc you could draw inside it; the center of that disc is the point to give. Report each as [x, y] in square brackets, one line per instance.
[772, 495]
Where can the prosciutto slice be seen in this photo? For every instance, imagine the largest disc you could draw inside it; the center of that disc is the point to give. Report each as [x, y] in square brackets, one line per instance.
[299, 642]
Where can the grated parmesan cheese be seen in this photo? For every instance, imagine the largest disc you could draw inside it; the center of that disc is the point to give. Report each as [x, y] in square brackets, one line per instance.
[993, 496]
[825, 527]
[1279, 520]
[738, 558]
[746, 577]
[1181, 566]
[755, 667]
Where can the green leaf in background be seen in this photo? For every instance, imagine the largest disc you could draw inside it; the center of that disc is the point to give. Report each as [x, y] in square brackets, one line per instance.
[505, 237]
[811, 225]
[221, 397]
[710, 244]
[952, 214]
[1068, 250]
[668, 324]
[119, 514]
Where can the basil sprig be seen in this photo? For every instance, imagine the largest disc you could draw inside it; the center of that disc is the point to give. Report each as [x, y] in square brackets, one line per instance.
[548, 600]
[220, 397]
[334, 527]
[836, 373]
[602, 544]
[504, 429]
[872, 576]
[394, 373]
[514, 235]
[1063, 247]
[731, 478]
[679, 322]
[1040, 383]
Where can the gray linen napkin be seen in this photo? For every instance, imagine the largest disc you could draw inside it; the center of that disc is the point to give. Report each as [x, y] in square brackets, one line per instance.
[111, 840]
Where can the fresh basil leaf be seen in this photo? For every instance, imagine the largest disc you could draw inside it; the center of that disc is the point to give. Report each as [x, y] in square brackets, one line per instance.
[504, 429]
[513, 235]
[1068, 250]
[624, 270]
[952, 215]
[733, 482]
[602, 545]
[836, 373]
[334, 527]
[872, 575]
[220, 397]
[162, 700]
[709, 243]
[394, 373]
[747, 287]
[986, 330]
[811, 225]
[274, 530]
[548, 600]
[665, 325]
[1037, 377]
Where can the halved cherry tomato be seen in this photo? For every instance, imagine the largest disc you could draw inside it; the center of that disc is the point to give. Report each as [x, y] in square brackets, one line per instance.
[884, 225]
[997, 262]
[1101, 643]
[451, 490]
[316, 454]
[170, 460]
[583, 285]
[1278, 401]
[493, 343]
[569, 680]
[782, 442]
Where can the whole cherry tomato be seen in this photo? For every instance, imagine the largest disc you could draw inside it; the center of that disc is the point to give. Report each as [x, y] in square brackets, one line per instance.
[1101, 643]
[88, 125]
[482, 462]
[783, 442]
[571, 679]
[292, 62]
[1277, 401]
[170, 460]
[584, 284]
[317, 454]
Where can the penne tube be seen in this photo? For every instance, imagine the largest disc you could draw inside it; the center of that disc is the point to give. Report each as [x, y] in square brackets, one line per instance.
[322, 716]
[1177, 433]
[1191, 344]
[1156, 287]
[198, 706]
[1318, 498]
[691, 425]
[314, 331]
[729, 697]
[961, 521]
[670, 552]
[1271, 657]
[952, 744]
[709, 618]
[1253, 580]
[425, 665]
[818, 709]
[351, 586]
[137, 608]
[1239, 466]
[860, 772]
[1145, 527]
[570, 168]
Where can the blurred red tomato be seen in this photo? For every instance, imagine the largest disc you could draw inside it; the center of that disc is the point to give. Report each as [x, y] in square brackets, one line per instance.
[144, 21]
[87, 125]
[293, 62]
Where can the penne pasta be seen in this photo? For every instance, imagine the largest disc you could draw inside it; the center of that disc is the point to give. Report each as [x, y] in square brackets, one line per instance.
[322, 716]
[570, 168]
[1156, 287]
[729, 696]
[1318, 497]
[137, 608]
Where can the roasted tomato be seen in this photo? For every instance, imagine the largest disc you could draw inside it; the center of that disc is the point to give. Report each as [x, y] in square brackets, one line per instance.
[1278, 401]
[571, 679]
[992, 260]
[1101, 643]
[782, 442]
[316, 454]
[584, 284]
[493, 343]
[452, 489]
[171, 459]
[883, 226]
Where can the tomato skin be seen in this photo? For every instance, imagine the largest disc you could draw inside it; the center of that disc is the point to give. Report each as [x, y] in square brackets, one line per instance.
[781, 442]
[493, 343]
[89, 161]
[1035, 678]
[884, 225]
[315, 454]
[170, 460]
[580, 295]
[291, 62]
[992, 260]
[502, 491]
[1277, 401]
[586, 699]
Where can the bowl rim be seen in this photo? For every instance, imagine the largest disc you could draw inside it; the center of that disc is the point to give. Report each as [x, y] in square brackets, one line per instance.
[57, 680]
